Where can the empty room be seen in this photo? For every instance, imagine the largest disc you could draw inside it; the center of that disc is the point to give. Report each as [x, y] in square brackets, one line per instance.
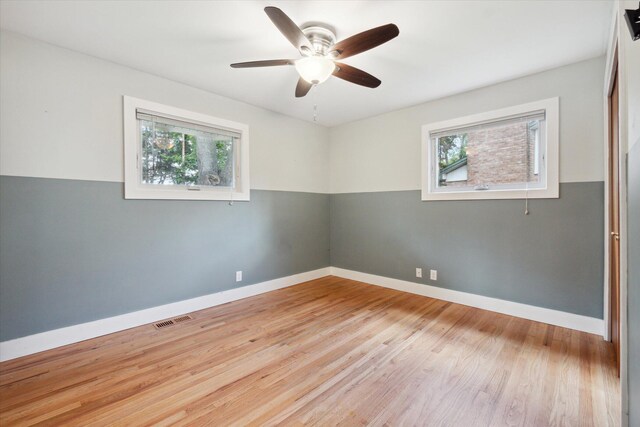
[259, 213]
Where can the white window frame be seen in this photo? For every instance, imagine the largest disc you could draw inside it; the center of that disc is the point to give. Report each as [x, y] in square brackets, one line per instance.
[536, 152]
[551, 160]
[133, 186]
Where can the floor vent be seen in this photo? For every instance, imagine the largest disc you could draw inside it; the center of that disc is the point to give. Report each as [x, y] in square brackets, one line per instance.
[171, 322]
[163, 324]
[182, 318]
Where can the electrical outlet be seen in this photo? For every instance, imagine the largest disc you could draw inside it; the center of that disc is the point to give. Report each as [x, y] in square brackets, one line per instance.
[418, 272]
[434, 275]
[238, 276]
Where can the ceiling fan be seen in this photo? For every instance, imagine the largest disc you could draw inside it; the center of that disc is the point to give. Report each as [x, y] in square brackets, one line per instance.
[319, 50]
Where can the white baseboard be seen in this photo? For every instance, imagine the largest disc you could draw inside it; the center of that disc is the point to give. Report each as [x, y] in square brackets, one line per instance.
[539, 314]
[58, 337]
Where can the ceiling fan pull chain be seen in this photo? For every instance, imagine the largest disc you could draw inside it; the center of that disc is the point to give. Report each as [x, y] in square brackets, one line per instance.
[315, 103]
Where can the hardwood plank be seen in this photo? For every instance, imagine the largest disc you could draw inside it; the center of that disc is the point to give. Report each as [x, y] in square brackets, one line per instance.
[327, 352]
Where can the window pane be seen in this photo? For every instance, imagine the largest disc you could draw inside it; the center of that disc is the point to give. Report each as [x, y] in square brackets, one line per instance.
[504, 154]
[177, 155]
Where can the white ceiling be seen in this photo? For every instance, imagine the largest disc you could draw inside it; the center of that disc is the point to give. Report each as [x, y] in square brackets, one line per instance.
[444, 47]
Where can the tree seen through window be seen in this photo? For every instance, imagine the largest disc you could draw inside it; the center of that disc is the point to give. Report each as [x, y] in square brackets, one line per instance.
[173, 155]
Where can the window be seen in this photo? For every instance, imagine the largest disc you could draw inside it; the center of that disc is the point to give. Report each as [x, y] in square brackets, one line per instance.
[503, 154]
[177, 154]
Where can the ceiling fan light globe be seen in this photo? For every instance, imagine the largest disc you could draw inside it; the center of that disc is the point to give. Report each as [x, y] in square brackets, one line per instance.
[315, 69]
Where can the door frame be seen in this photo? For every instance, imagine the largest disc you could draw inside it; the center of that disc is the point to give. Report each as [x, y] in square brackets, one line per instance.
[609, 226]
[611, 68]
[614, 48]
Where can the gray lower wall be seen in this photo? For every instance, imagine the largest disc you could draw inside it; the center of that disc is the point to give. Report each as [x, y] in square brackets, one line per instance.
[633, 284]
[551, 258]
[75, 251]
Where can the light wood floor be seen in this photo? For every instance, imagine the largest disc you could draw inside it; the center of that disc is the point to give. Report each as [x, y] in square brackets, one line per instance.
[326, 352]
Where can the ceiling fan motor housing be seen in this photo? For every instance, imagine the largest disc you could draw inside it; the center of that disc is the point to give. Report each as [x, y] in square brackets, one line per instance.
[321, 38]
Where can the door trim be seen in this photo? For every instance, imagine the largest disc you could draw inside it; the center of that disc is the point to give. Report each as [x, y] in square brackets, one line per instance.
[609, 78]
[618, 37]
[613, 209]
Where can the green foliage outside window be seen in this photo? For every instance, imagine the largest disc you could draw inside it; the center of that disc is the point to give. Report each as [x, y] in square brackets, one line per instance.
[179, 158]
[451, 148]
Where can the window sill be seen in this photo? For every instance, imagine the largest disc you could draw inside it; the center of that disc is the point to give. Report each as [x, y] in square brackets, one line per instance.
[543, 193]
[140, 192]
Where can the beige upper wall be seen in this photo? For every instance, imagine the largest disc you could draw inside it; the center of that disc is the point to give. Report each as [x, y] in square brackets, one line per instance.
[382, 153]
[61, 115]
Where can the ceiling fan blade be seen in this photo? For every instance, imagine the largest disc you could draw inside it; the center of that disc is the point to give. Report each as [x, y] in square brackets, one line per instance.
[289, 29]
[355, 75]
[364, 41]
[267, 63]
[302, 88]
